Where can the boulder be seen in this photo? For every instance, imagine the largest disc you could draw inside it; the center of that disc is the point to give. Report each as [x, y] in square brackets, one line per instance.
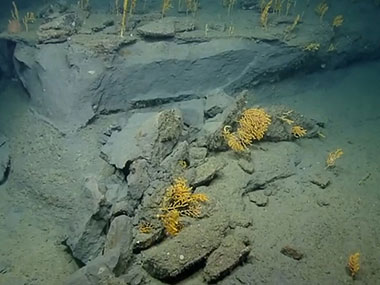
[191, 247]
[225, 258]
[87, 238]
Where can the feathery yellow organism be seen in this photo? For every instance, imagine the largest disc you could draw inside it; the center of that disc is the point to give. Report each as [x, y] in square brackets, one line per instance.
[321, 9]
[331, 48]
[298, 131]
[338, 21]
[166, 5]
[290, 28]
[253, 125]
[145, 227]
[28, 18]
[353, 264]
[124, 18]
[132, 8]
[332, 157]
[312, 47]
[265, 14]
[179, 201]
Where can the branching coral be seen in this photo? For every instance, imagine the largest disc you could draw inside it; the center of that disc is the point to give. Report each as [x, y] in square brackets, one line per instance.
[253, 125]
[179, 201]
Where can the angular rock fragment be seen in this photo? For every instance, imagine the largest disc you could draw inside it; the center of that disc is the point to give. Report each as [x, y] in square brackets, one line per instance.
[151, 136]
[207, 171]
[58, 29]
[5, 159]
[87, 237]
[163, 28]
[225, 258]
[178, 256]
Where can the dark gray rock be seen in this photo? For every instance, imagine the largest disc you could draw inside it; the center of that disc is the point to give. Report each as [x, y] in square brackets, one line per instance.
[191, 246]
[58, 29]
[119, 237]
[66, 98]
[259, 198]
[207, 171]
[277, 162]
[151, 136]
[97, 272]
[5, 159]
[246, 165]
[280, 130]
[93, 85]
[225, 258]
[163, 28]
[216, 103]
[87, 238]
[171, 163]
[138, 179]
[320, 180]
[197, 155]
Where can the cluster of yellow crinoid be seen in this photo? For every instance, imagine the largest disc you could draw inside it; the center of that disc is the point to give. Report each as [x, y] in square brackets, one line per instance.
[332, 157]
[179, 200]
[298, 131]
[353, 264]
[338, 21]
[253, 125]
[145, 227]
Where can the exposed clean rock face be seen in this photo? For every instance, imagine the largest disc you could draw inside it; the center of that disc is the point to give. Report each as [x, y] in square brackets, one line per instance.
[151, 136]
[85, 85]
[87, 237]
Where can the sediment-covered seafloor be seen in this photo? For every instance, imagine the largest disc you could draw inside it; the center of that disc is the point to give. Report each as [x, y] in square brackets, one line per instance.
[159, 107]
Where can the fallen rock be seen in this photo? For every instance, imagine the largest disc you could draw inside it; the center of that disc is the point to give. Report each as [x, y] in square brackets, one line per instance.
[138, 179]
[259, 198]
[207, 171]
[197, 155]
[103, 44]
[99, 271]
[87, 238]
[320, 180]
[163, 28]
[58, 29]
[5, 159]
[277, 162]
[246, 165]
[225, 258]
[292, 252]
[151, 136]
[281, 130]
[216, 103]
[174, 257]
[119, 237]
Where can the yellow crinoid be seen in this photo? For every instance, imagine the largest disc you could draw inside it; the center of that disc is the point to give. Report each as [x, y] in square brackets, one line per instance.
[253, 125]
[332, 157]
[179, 200]
[338, 21]
[353, 264]
[298, 131]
